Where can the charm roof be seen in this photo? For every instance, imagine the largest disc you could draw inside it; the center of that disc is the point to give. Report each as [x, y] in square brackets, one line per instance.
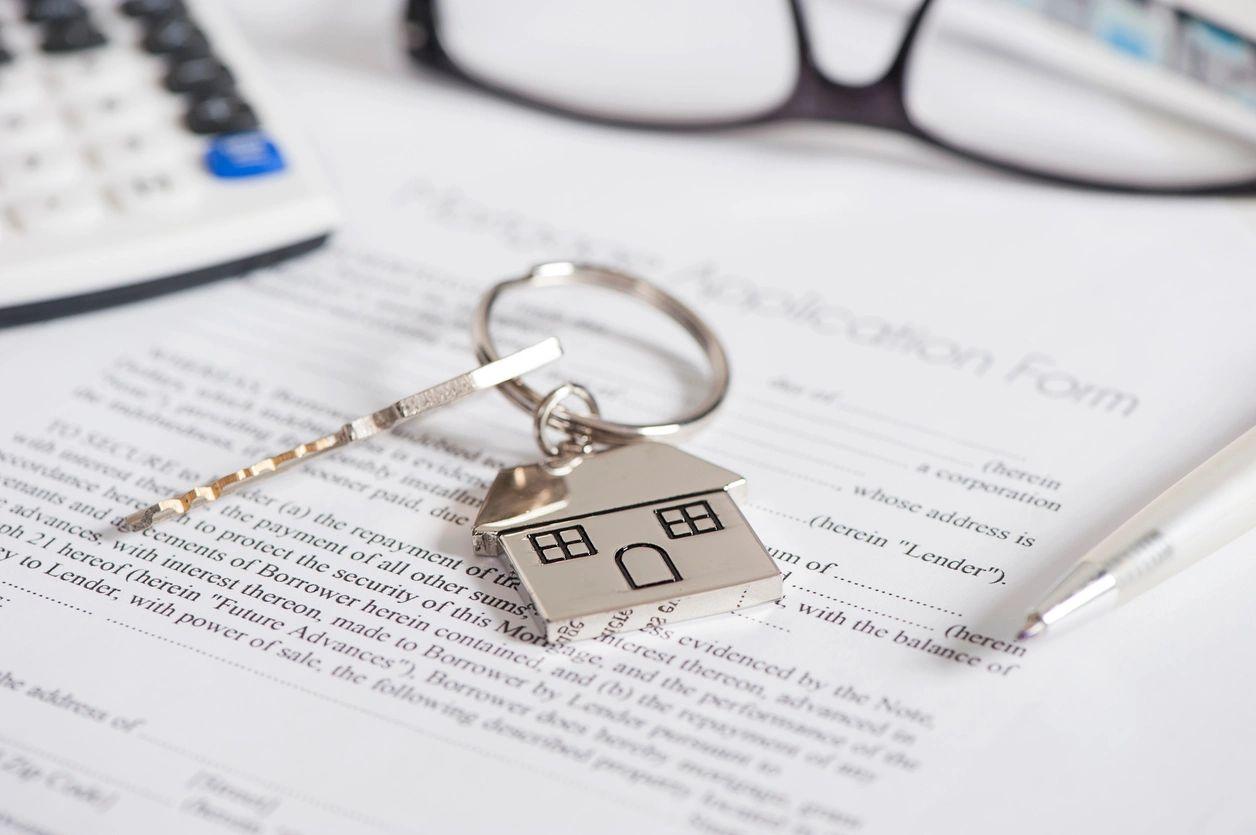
[634, 474]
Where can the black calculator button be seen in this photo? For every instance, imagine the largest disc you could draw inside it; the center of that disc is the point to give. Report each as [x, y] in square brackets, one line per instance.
[202, 76]
[176, 35]
[223, 113]
[46, 11]
[71, 36]
[152, 8]
[193, 48]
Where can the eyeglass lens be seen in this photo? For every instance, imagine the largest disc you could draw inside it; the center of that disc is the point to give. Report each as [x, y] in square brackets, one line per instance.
[1090, 89]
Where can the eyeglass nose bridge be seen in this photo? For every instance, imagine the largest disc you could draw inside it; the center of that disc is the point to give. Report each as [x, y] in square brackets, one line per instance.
[881, 103]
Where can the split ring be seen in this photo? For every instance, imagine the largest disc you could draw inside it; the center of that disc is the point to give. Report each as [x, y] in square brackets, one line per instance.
[576, 444]
[595, 427]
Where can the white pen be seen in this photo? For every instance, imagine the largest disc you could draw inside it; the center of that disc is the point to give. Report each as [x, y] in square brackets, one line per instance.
[1207, 508]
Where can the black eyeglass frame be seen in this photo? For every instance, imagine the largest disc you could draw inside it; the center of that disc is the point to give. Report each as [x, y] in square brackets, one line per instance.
[881, 103]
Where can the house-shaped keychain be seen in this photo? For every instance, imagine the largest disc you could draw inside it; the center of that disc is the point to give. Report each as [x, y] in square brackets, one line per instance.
[638, 535]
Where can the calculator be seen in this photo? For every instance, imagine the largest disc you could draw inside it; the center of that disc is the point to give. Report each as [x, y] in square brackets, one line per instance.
[140, 152]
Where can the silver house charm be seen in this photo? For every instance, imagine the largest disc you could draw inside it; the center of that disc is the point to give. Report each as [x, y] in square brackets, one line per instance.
[613, 530]
[635, 536]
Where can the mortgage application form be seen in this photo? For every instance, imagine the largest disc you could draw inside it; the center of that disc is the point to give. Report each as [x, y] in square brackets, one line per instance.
[946, 385]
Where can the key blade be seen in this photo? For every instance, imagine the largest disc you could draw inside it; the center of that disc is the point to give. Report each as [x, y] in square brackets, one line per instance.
[517, 364]
[219, 487]
[485, 377]
[442, 394]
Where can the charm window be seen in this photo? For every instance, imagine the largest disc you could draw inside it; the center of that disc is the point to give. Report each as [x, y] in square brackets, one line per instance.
[562, 544]
[689, 519]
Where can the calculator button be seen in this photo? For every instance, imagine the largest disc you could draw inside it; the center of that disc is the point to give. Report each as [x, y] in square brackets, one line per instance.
[5, 55]
[20, 38]
[202, 76]
[176, 35]
[152, 8]
[153, 192]
[116, 112]
[135, 150]
[36, 127]
[72, 35]
[19, 88]
[240, 155]
[96, 72]
[223, 113]
[42, 169]
[59, 211]
[46, 11]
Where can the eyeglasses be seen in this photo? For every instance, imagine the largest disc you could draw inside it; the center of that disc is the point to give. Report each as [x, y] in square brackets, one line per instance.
[1119, 95]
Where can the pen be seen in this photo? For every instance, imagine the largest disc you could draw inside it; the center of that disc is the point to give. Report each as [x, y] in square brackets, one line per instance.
[1203, 511]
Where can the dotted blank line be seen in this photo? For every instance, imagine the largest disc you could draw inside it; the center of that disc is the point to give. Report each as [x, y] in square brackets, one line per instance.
[811, 459]
[863, 608]
[795, 435]
[927, 430]
[802, 521]
[780, 513]
[46, 597]
[25, 828]
[760, 622]
[899, 596]
[773, 467]
[858, 430]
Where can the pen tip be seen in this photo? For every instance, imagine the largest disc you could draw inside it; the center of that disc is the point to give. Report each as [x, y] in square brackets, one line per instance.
[1035, 625]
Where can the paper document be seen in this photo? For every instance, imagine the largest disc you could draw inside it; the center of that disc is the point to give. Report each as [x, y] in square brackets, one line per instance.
[947, 384]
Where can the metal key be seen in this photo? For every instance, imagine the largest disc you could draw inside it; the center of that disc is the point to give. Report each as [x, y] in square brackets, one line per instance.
[442, 394]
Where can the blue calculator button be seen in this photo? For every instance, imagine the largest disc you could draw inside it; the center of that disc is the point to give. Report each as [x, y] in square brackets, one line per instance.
[249, 154]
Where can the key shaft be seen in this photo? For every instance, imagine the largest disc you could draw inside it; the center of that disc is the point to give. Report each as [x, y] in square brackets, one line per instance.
[442, 394]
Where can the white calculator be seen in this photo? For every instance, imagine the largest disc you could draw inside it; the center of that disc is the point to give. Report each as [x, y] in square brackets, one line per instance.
[140, 152]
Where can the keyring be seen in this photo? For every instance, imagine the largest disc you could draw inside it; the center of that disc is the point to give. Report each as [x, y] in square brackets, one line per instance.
[598, 429]
[629, 536]
[601, 540]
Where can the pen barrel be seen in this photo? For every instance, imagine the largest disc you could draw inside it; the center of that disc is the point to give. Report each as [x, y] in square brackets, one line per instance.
[1202, 512]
